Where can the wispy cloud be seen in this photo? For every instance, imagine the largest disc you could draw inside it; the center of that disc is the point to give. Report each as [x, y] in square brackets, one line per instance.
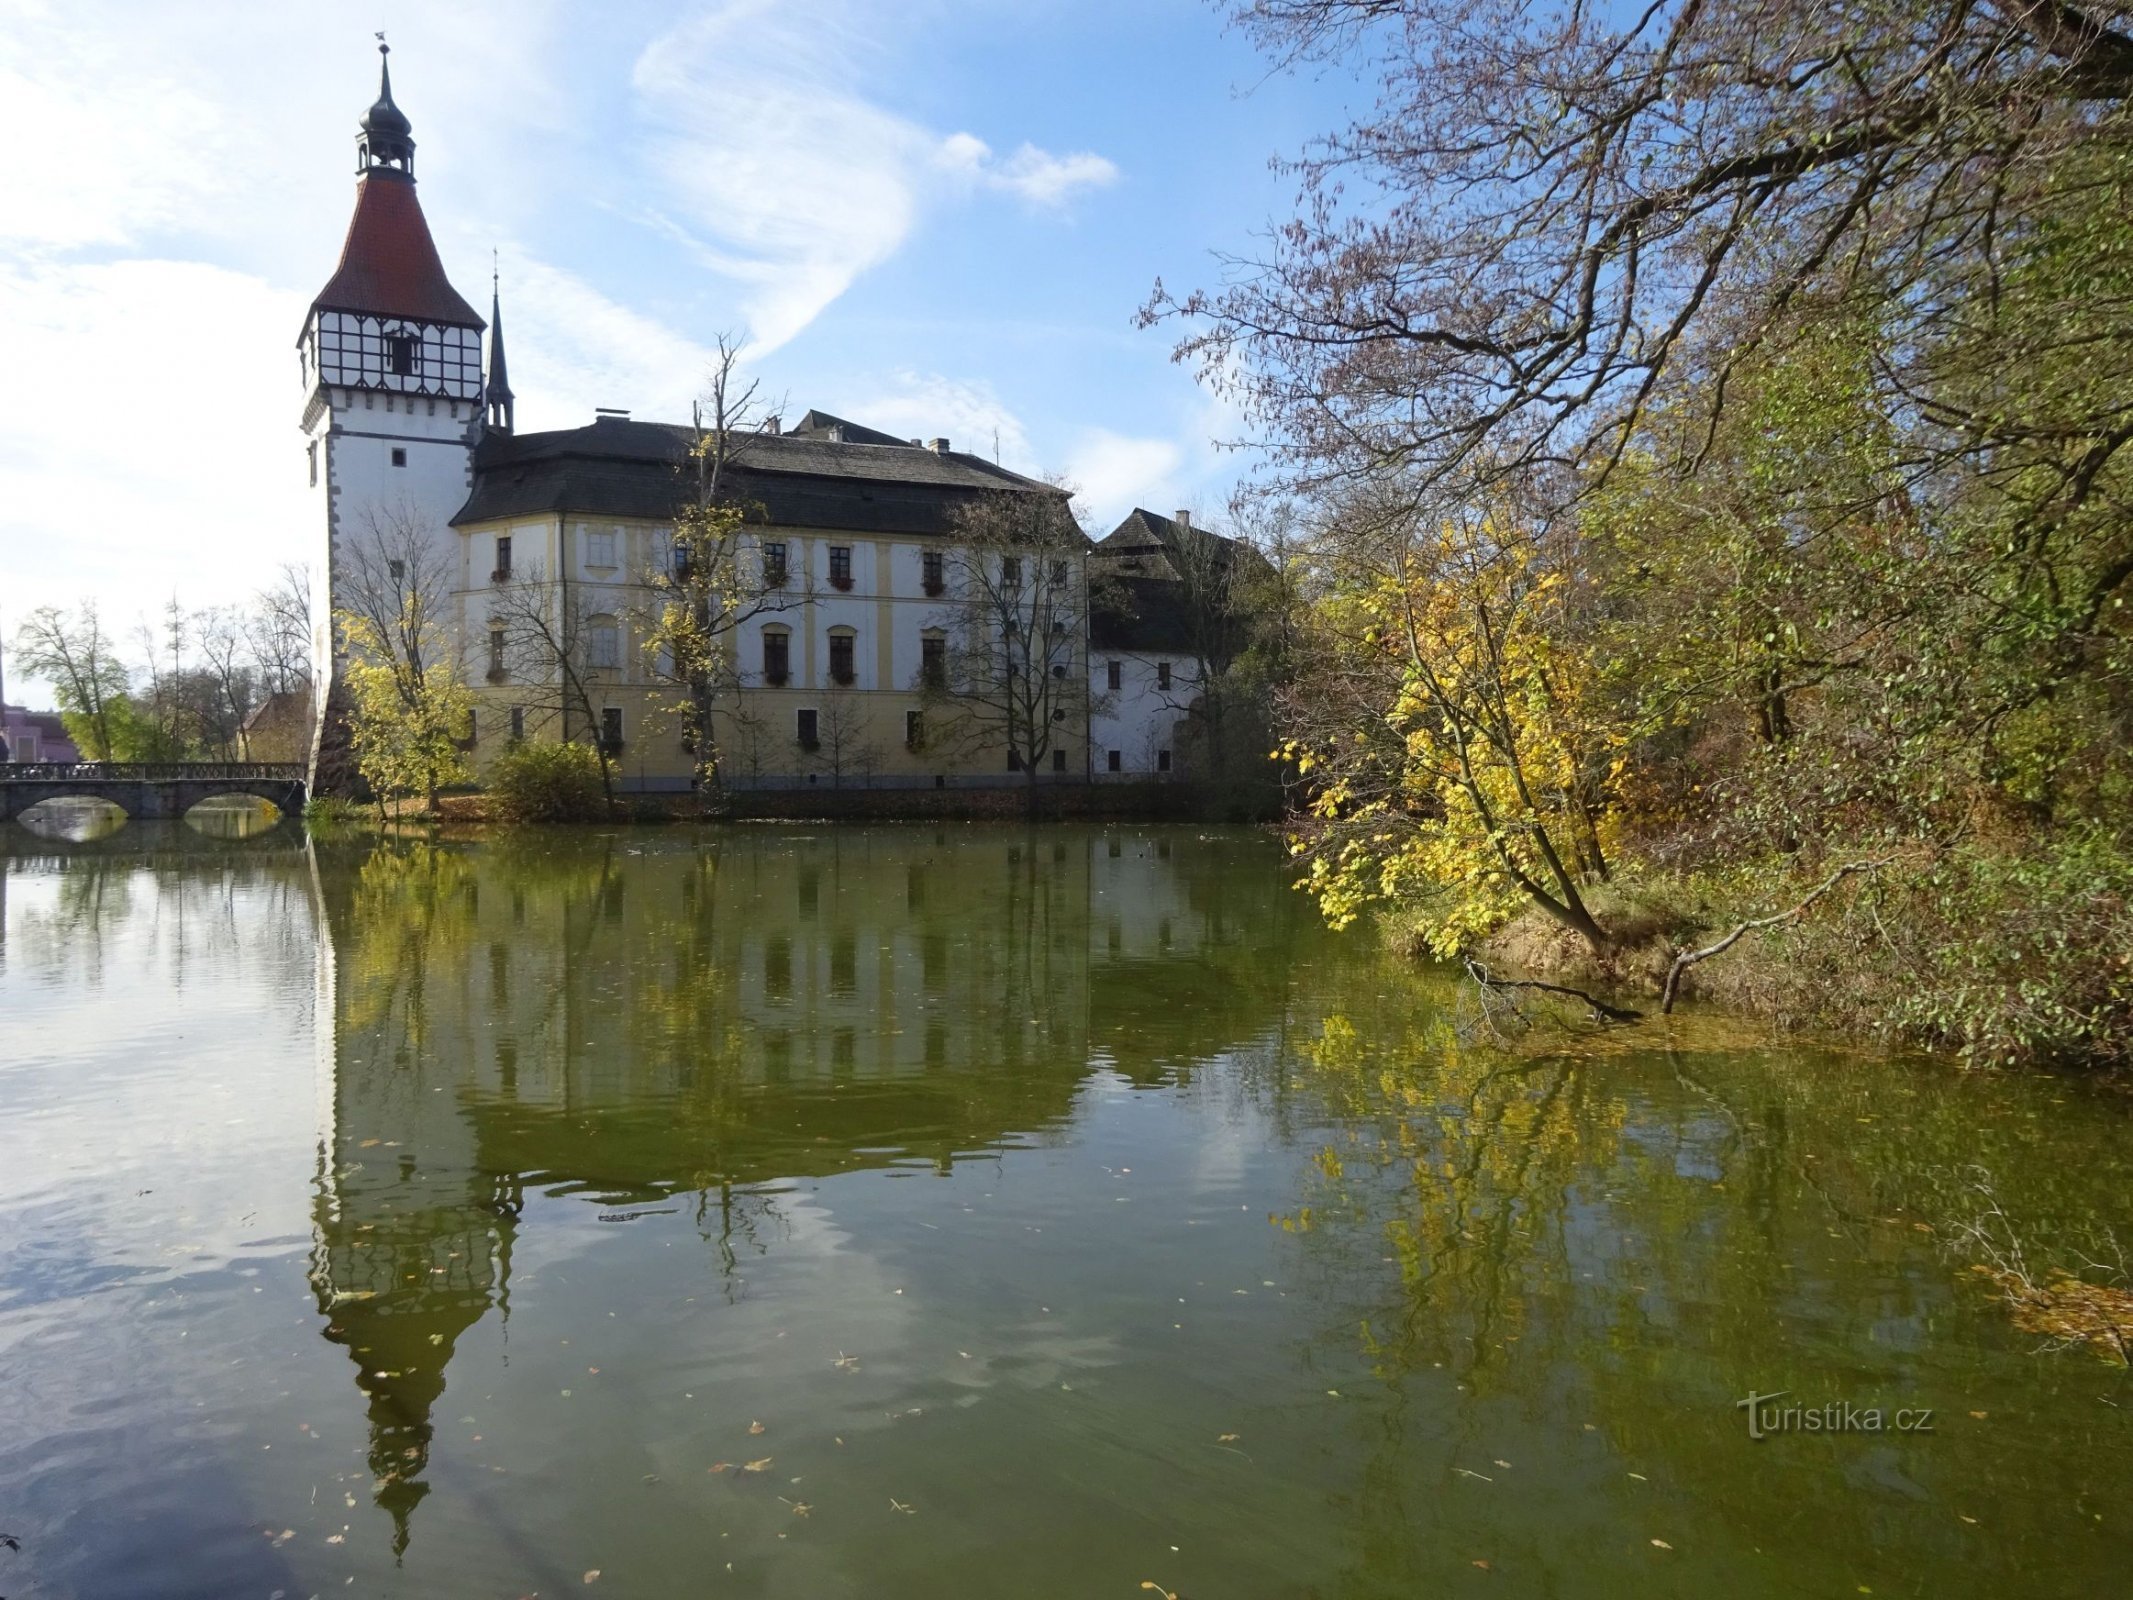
[1112, 473]
[926, 405]
[792, 181]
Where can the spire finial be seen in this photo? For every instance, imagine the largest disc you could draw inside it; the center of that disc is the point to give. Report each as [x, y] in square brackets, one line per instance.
[498, 393]
[386, 141]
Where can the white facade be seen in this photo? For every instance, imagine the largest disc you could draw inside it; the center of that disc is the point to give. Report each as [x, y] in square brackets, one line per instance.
[1139, 722]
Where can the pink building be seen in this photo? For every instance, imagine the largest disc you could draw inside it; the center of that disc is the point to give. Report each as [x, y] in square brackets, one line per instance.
[35, 736]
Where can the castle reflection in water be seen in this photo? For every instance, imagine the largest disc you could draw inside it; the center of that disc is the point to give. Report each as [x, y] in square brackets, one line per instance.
[637, 1017]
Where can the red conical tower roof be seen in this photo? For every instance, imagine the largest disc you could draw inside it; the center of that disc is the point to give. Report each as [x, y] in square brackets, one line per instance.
[389, 265]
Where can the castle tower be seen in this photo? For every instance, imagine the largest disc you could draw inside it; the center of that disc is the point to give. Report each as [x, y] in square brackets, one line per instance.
[392, 374]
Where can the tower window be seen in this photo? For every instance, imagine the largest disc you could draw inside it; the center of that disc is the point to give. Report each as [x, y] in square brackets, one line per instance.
[313, 452]
[1162, 674]
[502, 573]
[402, 355]
[1111, 676]
[605, 639]
[399, 456]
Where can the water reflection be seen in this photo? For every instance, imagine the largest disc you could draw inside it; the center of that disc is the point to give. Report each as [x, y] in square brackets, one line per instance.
[1063, 1202]
[235, 816]
[73, 819]
[710, 1021]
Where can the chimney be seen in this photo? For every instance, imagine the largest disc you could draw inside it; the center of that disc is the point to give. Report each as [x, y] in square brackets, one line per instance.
[938, 446]
[773, 425]
[1183, 519]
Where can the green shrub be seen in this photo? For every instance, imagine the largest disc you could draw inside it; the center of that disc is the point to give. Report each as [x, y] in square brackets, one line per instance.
[546, 783]
[327, 812]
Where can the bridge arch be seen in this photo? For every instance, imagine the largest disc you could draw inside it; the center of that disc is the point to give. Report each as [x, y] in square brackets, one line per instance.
[149, 790]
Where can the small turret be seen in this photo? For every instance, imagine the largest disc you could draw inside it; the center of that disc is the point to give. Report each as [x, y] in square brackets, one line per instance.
[386, 142]
[499, 390]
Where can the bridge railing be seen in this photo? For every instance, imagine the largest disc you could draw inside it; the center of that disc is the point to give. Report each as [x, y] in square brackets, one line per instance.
[151, 771]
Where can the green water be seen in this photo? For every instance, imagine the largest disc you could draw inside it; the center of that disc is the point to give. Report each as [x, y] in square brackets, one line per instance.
[1041, 1214]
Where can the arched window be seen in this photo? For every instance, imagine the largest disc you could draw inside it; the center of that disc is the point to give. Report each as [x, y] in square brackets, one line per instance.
[843, 649]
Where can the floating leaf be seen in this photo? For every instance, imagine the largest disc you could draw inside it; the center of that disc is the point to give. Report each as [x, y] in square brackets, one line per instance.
[755, 1427]
[756, 1466]
[1661, 1544]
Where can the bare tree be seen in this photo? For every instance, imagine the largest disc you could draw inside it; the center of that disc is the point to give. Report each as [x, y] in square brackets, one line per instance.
[227, 686]
[278, 627]
[1011, 674]
[720, 575]
[561, 646]
[845, 742]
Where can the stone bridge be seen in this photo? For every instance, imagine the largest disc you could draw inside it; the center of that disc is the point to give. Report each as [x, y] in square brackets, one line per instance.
[149, 790]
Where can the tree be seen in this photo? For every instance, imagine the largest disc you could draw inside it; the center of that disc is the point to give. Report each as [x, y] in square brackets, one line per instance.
[278, 628]
[1012, 673]
[557, 643]
[75, 655]
[224, 688]
[1458, 758]
[718, 578]
[411, 710]
[844, 736]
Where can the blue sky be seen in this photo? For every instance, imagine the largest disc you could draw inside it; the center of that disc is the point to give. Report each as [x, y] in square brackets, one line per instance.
[935, 217]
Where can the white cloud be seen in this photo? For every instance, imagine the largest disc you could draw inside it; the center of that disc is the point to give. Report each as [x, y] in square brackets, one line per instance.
[148, 435]
[1112, 473]
[967, 412]
[1037, 175]
[571, 349]
[792, 181]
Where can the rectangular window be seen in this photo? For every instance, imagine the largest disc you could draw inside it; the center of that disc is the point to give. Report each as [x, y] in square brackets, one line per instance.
[496, 652]
[600, 549]
[402, 356]
[933, 661]
[806, 730]
[397, 571]
[399, 456]
[777, 656]
[841, 657]
[1010, 569]
[1059, 761]
[1112, 676]
[931, 564]
[1162, 761]
[1014, 761]
[606, 641]
[518, 724]
[1111, 762]
[312, 451]
[774, 565]
[470, 728]
[841, 566]
[503, 558]
[611, 727]
[1059, 572]
[914, 729]
[1162, 674]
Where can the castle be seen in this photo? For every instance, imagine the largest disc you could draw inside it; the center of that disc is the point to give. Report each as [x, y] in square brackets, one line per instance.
[541, 557]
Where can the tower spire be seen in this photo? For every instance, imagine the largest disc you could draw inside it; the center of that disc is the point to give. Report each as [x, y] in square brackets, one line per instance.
[499, 391]
[386, 142]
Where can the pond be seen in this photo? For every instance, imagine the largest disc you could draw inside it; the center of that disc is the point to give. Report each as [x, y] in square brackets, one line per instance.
[976, 1211]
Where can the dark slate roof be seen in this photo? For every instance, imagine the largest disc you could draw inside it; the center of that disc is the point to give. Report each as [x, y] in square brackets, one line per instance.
[389, 265]
[1145, 616]
[1138, 599]
[622, 468]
